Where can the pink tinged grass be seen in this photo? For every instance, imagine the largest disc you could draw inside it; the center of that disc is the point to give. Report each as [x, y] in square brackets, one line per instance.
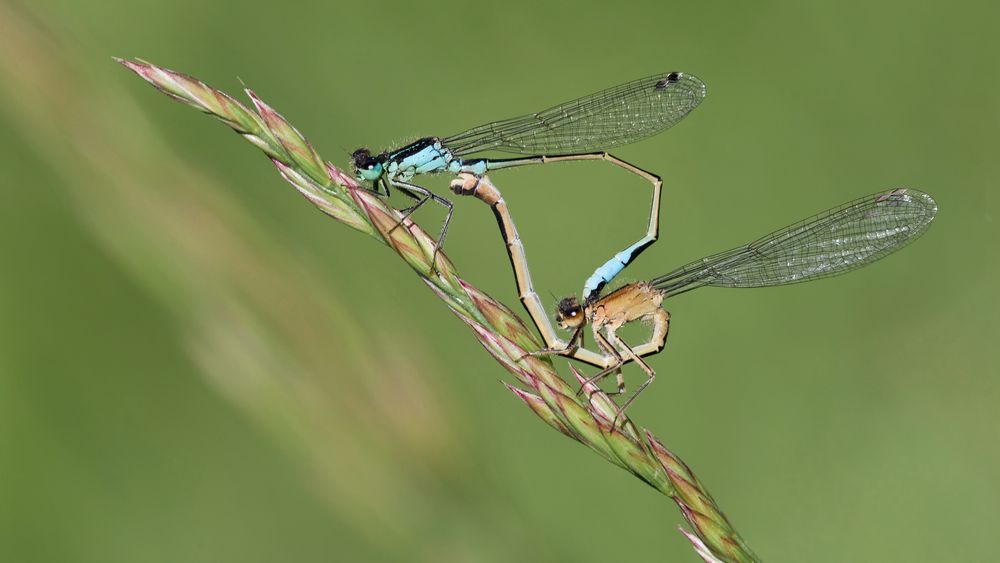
[398, 237]
[341, 179]
[301, 151]
[323, 199]
[700, 548]
[499, 316]
[601, 406]
[195, 93]
[499, 348]
[536, 404]
[580, 420]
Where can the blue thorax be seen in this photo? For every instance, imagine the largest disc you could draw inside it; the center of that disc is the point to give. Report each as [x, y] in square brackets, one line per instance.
[426, 156]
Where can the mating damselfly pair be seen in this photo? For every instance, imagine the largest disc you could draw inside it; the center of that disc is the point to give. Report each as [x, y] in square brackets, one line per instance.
[836, 241]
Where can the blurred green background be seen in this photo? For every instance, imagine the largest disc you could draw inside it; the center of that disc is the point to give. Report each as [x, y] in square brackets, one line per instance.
[198, 366]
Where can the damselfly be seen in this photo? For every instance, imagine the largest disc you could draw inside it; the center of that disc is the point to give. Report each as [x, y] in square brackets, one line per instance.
[831, 243]
[568, 131]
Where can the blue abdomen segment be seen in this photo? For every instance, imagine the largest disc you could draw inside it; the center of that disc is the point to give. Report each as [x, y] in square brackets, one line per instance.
[478, 166]
[607, 272]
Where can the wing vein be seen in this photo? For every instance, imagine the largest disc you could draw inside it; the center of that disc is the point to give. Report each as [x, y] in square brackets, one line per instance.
[616, 116]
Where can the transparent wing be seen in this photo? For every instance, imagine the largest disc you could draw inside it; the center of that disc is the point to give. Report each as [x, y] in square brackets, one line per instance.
[834, 242]
[616, 116]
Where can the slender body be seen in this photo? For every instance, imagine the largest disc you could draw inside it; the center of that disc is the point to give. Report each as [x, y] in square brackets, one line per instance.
[831, 243]
[581, 129]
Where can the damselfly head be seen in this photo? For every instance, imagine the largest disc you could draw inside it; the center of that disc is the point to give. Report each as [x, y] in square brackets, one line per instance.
[569, 314]
[366, 166]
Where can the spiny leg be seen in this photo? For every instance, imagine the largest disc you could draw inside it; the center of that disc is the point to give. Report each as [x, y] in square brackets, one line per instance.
[407, 211]
[575, 341]
[384, 185]
[616, 366]
[658, 339]
[378, 187]
[655, 344]
[400, 185]
[651, 375]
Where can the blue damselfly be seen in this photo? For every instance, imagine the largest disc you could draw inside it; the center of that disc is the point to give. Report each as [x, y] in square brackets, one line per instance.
[582, 129]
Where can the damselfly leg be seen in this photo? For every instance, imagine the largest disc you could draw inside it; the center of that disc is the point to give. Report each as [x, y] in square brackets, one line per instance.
[424, 195]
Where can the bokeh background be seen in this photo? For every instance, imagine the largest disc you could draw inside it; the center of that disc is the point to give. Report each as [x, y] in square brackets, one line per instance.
[196, 365]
